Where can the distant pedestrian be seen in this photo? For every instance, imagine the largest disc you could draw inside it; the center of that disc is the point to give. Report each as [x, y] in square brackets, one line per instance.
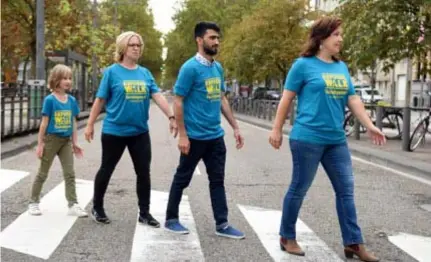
[198, 104]
[58, 137]
[126, 89]
[324, 88]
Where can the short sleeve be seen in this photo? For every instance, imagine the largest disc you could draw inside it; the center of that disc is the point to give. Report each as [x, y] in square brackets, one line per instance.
[103, 91]
[295, 77]
[184, 81]
[47, 106]
[152, 83]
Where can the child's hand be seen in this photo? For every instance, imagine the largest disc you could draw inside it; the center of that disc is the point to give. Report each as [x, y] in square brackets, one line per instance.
[39, 150]
[77, 150]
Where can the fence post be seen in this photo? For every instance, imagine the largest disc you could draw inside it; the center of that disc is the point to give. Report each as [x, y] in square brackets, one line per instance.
[357, 128]
[379, 117]
[2, 116]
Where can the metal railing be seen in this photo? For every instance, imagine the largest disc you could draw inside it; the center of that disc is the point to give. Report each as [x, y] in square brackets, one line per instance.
[263, 109]
[21, 108]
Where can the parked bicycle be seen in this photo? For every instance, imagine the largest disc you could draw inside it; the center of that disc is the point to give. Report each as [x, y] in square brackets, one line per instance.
[419, 134]
[392, 119]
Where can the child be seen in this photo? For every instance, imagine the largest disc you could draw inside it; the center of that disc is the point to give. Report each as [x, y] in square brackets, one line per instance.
[58, 136]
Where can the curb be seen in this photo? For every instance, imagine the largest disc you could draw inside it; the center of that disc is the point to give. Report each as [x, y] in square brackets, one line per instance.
[26, 146]
[370, 154]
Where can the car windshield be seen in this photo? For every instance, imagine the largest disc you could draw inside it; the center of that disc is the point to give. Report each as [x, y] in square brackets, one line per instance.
[375, 92]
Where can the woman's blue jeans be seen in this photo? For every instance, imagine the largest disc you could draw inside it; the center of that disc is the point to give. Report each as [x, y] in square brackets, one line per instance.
[337, 163]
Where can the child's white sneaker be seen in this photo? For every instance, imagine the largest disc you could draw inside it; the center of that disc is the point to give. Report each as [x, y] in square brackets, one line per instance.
[33, 209]
[77, 211]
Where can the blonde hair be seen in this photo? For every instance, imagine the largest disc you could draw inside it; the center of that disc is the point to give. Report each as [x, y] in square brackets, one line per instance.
[122, 44]
[59, 72]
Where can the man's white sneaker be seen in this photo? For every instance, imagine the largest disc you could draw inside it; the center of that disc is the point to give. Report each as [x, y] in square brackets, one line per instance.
[77, 211]
[33, 209]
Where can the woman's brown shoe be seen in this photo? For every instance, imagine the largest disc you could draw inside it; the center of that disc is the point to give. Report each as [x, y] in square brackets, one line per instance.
[291, 247]
[360, 252]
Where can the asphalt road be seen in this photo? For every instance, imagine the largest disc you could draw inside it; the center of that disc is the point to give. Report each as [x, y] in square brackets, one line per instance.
[388, 204]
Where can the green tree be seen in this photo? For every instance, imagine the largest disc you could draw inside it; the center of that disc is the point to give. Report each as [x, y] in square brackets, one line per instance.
[267, 41]
[385, 31]
[135, 15]
[180, 42]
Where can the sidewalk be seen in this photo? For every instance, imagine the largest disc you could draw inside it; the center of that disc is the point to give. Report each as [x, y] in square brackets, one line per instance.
[19, 144]
[390, 155]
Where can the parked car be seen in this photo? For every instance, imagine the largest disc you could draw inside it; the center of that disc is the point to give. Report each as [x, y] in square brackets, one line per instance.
[365, 92]
[265, 93]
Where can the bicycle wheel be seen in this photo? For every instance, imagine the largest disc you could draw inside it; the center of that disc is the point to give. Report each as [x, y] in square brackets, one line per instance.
[394, 122]
[418, 135]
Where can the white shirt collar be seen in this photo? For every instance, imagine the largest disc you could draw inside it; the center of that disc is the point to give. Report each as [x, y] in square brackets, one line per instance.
[201, 59]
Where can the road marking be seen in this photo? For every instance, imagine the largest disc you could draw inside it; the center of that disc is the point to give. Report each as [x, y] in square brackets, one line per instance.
[9, 177]
[426, 207]
[39, 236]
[157, 244]
[397, 172]
[406, 175]
[418, 247]
[197, 171]
[266, 223]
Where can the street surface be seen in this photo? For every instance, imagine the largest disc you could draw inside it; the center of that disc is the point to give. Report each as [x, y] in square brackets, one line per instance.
[394, 210]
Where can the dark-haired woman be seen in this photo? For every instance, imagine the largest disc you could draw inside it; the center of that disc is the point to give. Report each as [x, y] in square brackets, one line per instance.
[324, 88]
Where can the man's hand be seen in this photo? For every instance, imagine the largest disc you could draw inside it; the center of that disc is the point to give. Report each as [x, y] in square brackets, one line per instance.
[184, 145]
[89, 132]
[173, 127]
[239, 139]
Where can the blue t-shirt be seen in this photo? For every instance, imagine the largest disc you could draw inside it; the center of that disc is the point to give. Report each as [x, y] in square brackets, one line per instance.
[60, 114]
[201, 86]
[322, 89]
[127, 93]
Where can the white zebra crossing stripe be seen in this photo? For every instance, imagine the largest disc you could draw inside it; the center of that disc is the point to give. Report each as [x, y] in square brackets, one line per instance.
[266, 224]
[197, 171]
[9, 177]
[39, 236]
[418, 247]
[157, 244]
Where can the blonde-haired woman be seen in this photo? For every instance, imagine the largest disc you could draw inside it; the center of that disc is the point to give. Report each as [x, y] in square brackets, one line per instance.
[126, 89]
[58, 137]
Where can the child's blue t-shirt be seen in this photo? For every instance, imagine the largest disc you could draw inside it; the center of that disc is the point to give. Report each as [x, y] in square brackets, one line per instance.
[127, 93]
[60, 114]
[323, 90]
[202, 86]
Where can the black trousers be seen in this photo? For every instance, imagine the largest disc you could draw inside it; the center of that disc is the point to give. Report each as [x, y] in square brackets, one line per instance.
[140, 151]
[213, 153]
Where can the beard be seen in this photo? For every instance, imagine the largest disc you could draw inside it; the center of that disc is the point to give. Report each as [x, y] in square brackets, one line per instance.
[210, 51]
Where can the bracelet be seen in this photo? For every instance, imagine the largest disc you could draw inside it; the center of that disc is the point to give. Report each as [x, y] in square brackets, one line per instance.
[171, 117]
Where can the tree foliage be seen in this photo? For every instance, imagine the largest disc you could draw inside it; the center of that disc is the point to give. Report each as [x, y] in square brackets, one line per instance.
[384, 30]
[180, 42]
[266, 42]
[69, 25]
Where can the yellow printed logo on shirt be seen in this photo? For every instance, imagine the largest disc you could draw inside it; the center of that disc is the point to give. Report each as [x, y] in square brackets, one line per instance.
[336, 85]
[213, 87]
[136, 90]
[63, 119]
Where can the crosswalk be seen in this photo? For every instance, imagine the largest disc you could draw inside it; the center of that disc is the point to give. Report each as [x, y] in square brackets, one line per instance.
[41, 236]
